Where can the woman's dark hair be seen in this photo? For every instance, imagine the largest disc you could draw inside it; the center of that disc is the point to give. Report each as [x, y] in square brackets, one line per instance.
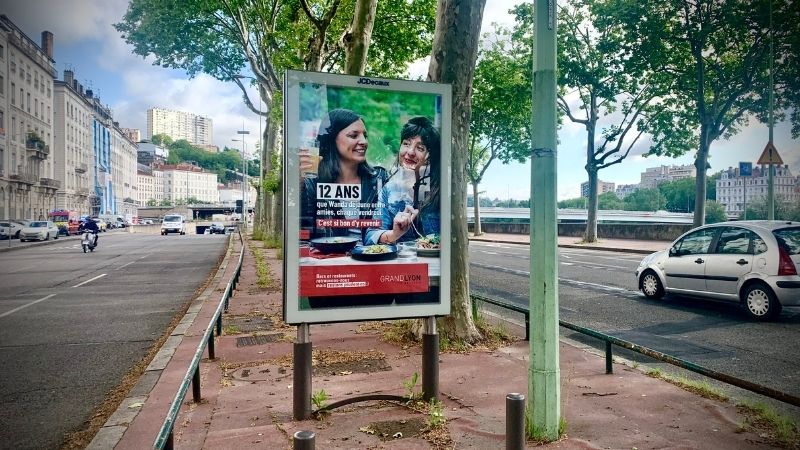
[424, 128]
[332, 124]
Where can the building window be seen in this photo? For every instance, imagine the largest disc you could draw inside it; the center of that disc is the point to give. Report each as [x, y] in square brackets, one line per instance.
[2, 51]
[13, 94]
[29, 102]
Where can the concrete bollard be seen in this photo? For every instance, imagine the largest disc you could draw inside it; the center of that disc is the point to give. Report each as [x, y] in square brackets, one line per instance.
[304, 440]
[515, 421]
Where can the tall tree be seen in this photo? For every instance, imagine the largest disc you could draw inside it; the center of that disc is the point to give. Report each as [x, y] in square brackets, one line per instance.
[500, 126]
[455, 50]
[716, 54]
[613, 100]
[229, 38]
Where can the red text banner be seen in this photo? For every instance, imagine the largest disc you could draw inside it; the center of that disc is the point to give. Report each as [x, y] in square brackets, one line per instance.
[363, 279]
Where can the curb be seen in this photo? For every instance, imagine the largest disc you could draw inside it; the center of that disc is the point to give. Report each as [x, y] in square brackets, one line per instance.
[112, 431]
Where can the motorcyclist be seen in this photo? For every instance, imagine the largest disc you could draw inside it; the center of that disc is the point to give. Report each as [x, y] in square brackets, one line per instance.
[91, 226]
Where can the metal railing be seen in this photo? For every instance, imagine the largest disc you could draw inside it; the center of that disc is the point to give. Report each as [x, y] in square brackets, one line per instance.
[655, 354]
[192, 377]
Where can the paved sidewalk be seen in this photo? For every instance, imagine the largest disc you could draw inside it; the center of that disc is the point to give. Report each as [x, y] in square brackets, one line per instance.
[247, 390]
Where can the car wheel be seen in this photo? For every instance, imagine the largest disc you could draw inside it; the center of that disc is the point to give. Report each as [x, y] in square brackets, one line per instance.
[46, 237]
[760, 303]
[651, 285]
[16, 236]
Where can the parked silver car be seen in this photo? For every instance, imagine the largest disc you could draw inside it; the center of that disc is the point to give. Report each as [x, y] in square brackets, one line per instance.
[752, 262]
[39, 230]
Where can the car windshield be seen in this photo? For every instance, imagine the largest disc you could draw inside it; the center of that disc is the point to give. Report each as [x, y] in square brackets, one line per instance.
[172, 218]
[38, 224]
[789, 238]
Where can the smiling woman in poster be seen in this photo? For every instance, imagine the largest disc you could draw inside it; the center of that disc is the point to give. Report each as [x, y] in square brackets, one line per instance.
[342, 160]
[410, 199]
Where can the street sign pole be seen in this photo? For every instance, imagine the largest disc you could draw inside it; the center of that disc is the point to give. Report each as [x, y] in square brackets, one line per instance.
[745, 172]
[771, 182]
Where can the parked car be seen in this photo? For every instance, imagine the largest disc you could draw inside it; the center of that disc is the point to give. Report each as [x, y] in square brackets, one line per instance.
[216, 228]
[10, 228]
[39, 230]
[173, 223]
[754, 263]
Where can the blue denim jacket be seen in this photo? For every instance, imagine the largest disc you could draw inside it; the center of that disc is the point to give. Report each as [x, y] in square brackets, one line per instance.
[428, 220]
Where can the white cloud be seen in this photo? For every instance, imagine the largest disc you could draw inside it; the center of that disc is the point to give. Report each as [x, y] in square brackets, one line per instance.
[69, 21]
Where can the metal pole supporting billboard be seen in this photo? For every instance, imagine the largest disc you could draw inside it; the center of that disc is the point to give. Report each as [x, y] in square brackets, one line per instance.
[543, 372]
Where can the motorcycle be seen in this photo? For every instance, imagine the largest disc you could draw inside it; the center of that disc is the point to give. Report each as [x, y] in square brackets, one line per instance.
[88, 241]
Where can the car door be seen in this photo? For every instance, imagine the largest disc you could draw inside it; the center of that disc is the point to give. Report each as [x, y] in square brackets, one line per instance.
[731, 259]
[684, 268]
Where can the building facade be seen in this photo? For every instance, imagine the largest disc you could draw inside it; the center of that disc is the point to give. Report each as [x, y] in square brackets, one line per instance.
[72, 145]
[653, 176]
[735, 191]
[624, 190]
[198, 130]
[124, 181]
[133, 134]
[186, 181]
[602, 188]
[27, 184]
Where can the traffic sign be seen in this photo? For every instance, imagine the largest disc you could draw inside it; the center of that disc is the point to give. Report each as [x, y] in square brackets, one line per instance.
[770, 155]
[745, 169]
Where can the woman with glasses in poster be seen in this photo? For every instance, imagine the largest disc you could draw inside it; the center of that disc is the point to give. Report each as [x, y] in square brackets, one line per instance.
[342, 159]
[410, 198]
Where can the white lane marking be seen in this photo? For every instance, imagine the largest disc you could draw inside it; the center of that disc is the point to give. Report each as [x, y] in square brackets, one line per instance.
[565, 256]
[87, 281]
[125, 265]
[566, 280]
[601, 265]
[8, 313]
[567, 264]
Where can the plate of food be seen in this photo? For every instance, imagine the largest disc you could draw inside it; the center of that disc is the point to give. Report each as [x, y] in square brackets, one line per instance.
[428, 245]
[377, 252]
[335, 244]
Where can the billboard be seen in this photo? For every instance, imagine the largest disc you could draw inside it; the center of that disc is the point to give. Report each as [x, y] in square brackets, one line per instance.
[367, 211]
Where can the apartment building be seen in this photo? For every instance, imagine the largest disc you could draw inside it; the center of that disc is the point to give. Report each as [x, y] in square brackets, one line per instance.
[133, 134]
[198, 130]
[653, 176]
[624, 190]
[602, 188]
[735, 191]
[72, 145]
[27, 69]
[184, 181]
[124, 182]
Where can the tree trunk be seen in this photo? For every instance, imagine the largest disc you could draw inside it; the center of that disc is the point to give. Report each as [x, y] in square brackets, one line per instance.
[591, 214]
[275, 208]
[700, 162]
[453, 56]
[477, 210]
[356, 40]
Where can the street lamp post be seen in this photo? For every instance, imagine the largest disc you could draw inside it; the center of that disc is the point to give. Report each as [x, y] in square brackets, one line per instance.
[244, 174]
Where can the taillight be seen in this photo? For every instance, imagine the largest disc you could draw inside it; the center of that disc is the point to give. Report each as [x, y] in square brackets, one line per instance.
[785, 263]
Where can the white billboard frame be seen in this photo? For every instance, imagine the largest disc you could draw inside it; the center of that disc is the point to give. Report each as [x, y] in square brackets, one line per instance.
[292, 312]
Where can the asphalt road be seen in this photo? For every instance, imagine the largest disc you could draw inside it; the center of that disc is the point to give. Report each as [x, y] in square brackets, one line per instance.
[72, 324]
[598, 290]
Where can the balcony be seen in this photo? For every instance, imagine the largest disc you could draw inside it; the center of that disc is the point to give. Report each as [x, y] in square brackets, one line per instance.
[82, 192]
[50, 183]
[36, 148]
[23, 178]
[81, 168]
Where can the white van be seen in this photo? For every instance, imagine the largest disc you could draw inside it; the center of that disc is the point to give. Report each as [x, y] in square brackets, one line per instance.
[173, 223]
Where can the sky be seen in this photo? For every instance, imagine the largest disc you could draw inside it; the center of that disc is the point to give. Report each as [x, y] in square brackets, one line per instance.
[86, 42]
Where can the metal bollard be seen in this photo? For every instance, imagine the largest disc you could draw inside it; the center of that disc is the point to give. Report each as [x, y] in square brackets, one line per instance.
[609, 358]
[304, 440]
[196, 385]
[515, 421]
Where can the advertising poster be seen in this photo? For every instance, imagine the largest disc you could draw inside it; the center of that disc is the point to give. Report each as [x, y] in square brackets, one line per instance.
[367, 177]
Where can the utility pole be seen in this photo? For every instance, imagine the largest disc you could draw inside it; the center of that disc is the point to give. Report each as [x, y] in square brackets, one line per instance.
[544, 409]
[244, 175]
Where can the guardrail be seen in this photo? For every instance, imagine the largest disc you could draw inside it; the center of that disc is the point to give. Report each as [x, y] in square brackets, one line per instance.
[165, 437]
[655, 354]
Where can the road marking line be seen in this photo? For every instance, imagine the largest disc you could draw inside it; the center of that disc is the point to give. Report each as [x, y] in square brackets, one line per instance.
[560, 279]
[601, 265]
[125, 265]
[567, 264]
[87, 281]
[7, 313]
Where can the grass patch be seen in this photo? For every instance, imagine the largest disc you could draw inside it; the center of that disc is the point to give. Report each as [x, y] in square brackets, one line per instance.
[540, 436]
[264, 278]
[401, 332]
[701, 388]
[780, 429]
[231, 329]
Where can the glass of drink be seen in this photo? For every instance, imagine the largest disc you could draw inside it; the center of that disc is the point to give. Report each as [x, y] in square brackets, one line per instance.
[309, 150]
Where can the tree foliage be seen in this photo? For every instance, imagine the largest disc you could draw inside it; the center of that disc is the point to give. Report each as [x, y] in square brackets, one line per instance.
[501, 108]
[716, 56]
[645, 200]
[715, 212]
